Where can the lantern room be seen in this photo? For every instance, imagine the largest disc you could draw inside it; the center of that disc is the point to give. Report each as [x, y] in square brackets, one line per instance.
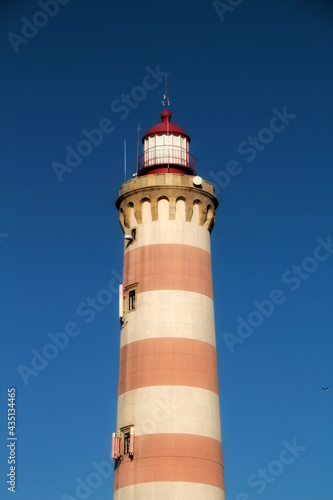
[166, 149]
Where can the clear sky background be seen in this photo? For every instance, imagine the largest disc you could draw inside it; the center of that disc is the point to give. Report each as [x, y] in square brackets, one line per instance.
[61, 242]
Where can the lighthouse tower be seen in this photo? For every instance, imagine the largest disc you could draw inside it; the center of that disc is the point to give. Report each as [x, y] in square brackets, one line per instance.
[167, 444]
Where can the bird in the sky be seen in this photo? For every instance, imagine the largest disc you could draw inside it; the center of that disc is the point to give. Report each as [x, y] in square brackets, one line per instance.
[326, 388]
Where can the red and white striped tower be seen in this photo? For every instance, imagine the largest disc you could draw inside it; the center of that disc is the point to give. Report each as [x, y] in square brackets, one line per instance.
[168, 440]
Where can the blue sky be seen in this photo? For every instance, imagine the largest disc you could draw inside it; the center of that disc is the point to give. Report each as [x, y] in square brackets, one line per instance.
[230, 74]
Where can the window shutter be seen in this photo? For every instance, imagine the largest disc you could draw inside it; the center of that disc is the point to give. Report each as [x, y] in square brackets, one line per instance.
[117, 447]
[131, 448]
[121, 302]
[113, 450]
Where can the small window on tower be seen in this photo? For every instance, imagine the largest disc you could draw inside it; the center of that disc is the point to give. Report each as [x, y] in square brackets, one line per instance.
[131, 300]
[134, 233]
[131, 297]
[127, 438]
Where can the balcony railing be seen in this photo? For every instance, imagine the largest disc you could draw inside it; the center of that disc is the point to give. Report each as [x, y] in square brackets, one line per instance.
[166, 156]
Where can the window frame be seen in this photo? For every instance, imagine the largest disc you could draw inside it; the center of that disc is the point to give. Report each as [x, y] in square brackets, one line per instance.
[134, 233]
[127, 447]
[132, 300]
[127, 439]
[133, 287]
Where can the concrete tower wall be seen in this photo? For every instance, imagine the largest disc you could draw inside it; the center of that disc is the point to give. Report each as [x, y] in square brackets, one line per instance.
[168, 382]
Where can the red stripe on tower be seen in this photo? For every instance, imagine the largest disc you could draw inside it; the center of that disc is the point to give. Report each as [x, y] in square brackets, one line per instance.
[169, 267]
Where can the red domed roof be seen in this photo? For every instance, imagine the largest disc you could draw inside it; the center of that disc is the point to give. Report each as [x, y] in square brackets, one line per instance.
[166, 127]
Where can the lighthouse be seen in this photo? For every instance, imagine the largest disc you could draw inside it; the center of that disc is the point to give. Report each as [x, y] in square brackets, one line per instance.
[167, 444]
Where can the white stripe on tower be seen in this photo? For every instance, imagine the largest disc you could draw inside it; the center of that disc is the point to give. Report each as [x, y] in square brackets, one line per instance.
[180, 314]
[171, 408]
[169, 490]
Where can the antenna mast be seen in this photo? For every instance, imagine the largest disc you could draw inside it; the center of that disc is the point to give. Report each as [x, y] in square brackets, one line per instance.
[137, 150]
[166, 103]
[125, 159]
